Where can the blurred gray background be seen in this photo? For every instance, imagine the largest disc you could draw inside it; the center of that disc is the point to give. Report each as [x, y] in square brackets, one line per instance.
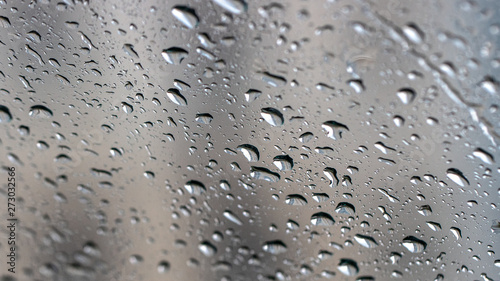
[232, 140]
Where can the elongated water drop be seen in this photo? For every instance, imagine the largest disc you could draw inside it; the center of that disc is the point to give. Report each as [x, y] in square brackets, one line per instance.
[414, 245]
[176, 97]
[186, 15]
[174, 55]
[233, 6]
[457, 177]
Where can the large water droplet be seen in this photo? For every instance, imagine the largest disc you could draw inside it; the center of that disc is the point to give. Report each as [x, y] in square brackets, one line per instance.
[457, 177]
[176, 97]
[414, 245]
[406, 95]
[334, 129]
[186, 15]
[232, 217]
[273, 80]
[322, 219]
[5, 115]
[204, 118]
[272, 116]
[250, 152]
[483, 155]
[174, 55]
[283, 162]
[252, 95]
[274, 247]
[365, 241]
[207, 248]
[195, 187]
[264, 174]
[296, 200]
[331, 174]
[233, 6]
[345, 209]
[348, 267]
[40, 111]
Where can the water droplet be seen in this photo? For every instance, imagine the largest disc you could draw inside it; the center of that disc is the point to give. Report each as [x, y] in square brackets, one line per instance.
[345, 208]
[186, 15]
[456, 232]
[306, 137]
[274, 247]
[296, 200]
[483, 155]
[414, 245]
[357, 85]
[40, 111]
[365, 241]
[163, 267]
[252, 95]
[264, 174]
[331, 174]
[273, 80]
[5, 115]
[425, 210]
[406, 95]
[204, 118]
[207, 249]
[250, 152]
[283, 162]
[174, 55]
[232, 217]
[348, 267]
[413, 33]
[234, 6]
[457, 177]
[176, 97]
[334, 129]
[272, 116]
[322, 219]
[398, 121]
[127, 108]
[195, 187]
[129, 50]
[434, 225]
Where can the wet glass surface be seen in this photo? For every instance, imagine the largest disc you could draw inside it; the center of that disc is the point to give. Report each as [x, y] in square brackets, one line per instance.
[252, 140]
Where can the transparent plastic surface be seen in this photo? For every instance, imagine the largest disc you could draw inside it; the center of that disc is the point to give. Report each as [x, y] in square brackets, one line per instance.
[251, 140]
